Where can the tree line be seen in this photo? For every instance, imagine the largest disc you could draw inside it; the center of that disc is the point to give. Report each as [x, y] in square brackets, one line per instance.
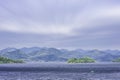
[7, 60]
[87, 60]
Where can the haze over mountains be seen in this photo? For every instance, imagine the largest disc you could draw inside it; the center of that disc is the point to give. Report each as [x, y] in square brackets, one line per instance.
[35, 54]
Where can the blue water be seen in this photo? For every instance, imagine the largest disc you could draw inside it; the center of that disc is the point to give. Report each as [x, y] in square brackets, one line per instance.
[60, 71]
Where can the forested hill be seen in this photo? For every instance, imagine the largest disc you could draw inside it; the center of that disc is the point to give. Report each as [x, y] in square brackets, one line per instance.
[53, 54]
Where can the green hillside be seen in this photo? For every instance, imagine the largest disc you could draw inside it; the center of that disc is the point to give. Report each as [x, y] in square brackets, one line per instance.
[81, 60]
[7, 60]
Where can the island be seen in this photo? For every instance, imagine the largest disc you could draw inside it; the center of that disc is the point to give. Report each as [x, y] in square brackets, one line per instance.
[81, 60]
[7, 60]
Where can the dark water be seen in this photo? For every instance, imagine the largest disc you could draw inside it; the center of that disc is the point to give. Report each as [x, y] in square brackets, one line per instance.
[60, 71]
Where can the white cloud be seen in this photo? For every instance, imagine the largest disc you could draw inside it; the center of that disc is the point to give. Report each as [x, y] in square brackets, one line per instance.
[58, 18]
[36, 28]
[86, 20]
[96, 16]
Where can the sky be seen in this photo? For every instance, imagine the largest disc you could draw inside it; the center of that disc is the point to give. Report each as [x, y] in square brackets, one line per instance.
[69, 24]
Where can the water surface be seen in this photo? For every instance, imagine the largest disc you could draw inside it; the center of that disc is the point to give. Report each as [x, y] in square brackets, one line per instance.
[60, 71]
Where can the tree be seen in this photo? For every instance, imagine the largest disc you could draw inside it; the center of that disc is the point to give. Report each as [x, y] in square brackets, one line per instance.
[7, 60]
[116, 60]
[72, 60]
[81, 60]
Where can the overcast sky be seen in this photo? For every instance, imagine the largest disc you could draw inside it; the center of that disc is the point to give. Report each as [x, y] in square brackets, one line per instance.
[86, 24]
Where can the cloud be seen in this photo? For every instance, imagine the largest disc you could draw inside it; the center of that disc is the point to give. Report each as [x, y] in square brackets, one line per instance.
[36, 28]
[81, 22]
[77, 13]
[55, 17]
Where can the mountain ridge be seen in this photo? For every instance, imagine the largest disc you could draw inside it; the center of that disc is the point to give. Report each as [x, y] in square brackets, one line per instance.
[44, 54]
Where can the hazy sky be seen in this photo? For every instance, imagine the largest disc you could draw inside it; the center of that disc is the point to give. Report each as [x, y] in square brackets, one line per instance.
[86, 24]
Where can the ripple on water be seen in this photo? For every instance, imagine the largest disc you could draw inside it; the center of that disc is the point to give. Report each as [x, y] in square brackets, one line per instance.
[58, 76]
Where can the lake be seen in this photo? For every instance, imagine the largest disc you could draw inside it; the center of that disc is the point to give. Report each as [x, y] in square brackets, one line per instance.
[60, 71]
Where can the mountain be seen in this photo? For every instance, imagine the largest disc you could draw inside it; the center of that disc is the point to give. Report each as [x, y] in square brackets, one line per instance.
[59, 55]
